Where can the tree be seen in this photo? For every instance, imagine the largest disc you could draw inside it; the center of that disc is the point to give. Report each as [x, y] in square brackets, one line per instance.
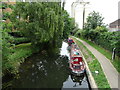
[41, 24]
[94, 26]
[93, 20]
[69, 24]
[94, 34]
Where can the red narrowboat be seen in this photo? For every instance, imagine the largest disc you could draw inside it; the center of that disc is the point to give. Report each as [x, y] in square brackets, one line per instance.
[76, 63]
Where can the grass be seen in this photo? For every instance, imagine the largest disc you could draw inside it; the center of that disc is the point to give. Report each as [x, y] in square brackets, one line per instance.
[106, 53]
[21, 52]
[94, 65]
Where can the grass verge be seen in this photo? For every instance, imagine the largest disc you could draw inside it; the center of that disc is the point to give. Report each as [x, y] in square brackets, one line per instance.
[20, 52]
[106, 53]
[94, 65]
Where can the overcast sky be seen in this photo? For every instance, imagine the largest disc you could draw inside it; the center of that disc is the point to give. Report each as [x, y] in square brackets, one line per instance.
[107, 8]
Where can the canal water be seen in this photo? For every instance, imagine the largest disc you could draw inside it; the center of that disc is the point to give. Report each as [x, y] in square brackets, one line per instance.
[46, 71]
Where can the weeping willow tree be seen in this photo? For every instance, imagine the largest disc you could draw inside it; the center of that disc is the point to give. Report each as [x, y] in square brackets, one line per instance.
[41, 22]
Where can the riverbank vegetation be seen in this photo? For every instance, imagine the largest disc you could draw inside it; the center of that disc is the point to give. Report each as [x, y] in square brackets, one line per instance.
[94, 65]
[106, 53]
[32, 30]
[96, 33]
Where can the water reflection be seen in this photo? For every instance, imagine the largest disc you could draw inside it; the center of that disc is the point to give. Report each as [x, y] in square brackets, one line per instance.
[77, 79]
[75, 82]
[44, 71]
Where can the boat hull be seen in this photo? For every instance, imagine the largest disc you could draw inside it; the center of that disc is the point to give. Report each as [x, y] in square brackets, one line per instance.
[81, 73]
[76, 63]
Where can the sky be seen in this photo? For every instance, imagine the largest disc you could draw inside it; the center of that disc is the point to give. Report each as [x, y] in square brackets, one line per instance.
[107, 8]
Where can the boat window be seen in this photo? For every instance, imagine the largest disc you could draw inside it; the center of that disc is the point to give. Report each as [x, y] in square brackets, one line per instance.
[76, 67]
[75, 59]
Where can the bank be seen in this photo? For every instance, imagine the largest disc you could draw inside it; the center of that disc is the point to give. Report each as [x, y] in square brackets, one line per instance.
[20, 53]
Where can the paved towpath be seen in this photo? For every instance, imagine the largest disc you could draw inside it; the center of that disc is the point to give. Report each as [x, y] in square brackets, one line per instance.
[109, 70]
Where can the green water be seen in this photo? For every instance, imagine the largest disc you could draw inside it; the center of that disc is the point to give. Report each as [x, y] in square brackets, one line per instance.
[42, 70]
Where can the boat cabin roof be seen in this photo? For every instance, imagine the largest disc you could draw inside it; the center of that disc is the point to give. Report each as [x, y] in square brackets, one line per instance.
[75, 53]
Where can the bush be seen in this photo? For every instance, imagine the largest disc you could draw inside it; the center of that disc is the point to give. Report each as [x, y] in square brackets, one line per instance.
[102, 37]
[16, 34]
[12, 63]
[78, 33]
[21, 40]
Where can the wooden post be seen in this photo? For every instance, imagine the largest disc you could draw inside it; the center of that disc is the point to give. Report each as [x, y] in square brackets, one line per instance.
[113, 54]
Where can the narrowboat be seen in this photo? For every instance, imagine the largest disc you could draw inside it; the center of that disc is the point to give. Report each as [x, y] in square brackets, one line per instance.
[76, 63]
[70, 41]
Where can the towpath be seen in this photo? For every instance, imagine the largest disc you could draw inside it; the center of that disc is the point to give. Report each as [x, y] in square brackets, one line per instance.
[109, 70]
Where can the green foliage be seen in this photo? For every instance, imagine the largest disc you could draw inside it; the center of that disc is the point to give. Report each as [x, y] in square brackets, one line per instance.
[6, 15]
[96, 31]
[4, 5]
[94, 34]
[11, 6]
[106, 53]
[78, 33]
[69, 24]
[115, 41]
[7, 27]
[104, 40]
[17, 57]
[99, 34]
[101, 29]
[107, 40]
[6, 44]
[41, 23]
[93, 20]
[11, 57]
[20, 40]
[75, 30]
[94, 26]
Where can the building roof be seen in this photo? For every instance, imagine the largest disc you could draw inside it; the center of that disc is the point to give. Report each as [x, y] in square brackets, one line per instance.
[115, 24]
